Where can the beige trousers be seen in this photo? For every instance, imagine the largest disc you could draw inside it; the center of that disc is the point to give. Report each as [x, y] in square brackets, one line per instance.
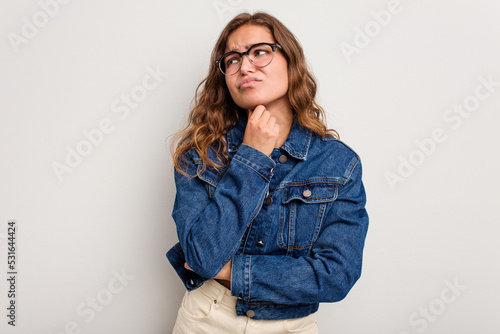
[210, 309]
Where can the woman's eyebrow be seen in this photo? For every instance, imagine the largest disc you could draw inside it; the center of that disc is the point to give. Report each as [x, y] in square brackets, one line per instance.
[246, 47]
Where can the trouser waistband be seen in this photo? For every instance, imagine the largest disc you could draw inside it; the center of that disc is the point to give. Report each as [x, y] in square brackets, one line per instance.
[218, 292]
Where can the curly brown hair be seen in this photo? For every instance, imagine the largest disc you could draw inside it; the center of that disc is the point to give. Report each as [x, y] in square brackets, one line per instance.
[215, 113]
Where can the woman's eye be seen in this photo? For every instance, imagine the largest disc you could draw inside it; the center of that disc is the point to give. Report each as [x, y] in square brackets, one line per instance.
[259, 52]
[232, 61]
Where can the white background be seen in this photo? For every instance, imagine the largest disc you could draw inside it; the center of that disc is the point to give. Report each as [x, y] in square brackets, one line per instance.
[435, 226]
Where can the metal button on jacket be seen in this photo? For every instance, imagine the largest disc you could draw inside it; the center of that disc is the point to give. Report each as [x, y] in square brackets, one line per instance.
[260, 243]
[282, 159]
[250, 313]
[268, 200]
[307, 193]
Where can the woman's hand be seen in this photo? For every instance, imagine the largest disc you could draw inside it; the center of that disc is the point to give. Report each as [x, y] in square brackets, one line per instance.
[262, 130]
[224, 274]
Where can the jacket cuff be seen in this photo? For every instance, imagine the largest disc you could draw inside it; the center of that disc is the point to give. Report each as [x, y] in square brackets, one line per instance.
[240, 276]
[256, 160]
[177, 259]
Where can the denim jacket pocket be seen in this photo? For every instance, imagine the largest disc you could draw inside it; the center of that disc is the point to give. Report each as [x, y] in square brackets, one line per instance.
[302, 213]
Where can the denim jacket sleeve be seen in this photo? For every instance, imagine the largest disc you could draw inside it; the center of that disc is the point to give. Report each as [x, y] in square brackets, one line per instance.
[333, 264]
[211, 226]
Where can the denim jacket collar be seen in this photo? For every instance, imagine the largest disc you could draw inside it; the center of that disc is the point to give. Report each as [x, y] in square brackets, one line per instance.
[297, 143]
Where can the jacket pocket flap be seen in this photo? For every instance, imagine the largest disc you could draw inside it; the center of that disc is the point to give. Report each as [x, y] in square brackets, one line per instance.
[317, 192]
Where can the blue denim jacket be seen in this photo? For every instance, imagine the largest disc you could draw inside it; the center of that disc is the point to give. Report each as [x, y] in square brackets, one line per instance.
[294, 223]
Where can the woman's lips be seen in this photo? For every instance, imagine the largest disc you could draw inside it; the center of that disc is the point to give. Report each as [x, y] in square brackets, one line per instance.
[249, 82]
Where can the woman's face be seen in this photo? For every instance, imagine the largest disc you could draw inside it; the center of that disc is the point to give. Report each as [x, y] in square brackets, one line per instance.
[252, 86]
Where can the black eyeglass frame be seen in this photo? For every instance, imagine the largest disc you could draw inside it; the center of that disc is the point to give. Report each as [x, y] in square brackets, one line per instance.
[247, 52]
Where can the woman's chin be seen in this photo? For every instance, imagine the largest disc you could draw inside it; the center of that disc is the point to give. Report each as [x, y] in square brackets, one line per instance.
[250, 104]
[247, 106]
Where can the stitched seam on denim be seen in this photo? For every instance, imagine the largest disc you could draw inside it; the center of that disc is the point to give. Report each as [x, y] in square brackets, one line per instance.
[306, 145]
[350, 169]
[282, 219]
[230, 255]
[243, 163]
[249, 161]
[315, 180]
[291, 227]
[249, 280]
[244, 238]
[257, 209]
[310, 181]
[302, 154]
[207, 180]
[198, 161]
[316, 229]
[237, 245]
[313, 200]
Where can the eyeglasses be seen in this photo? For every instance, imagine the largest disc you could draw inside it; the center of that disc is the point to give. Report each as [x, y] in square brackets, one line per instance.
[260, 55]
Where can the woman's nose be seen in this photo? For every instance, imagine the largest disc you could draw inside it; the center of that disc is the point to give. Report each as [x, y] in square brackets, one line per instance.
[246, 65]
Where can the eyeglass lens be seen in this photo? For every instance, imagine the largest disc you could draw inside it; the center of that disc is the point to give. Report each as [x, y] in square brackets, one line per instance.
[260, 55]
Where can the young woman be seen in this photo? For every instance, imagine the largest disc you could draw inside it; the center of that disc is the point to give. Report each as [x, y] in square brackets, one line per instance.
[270, 206]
